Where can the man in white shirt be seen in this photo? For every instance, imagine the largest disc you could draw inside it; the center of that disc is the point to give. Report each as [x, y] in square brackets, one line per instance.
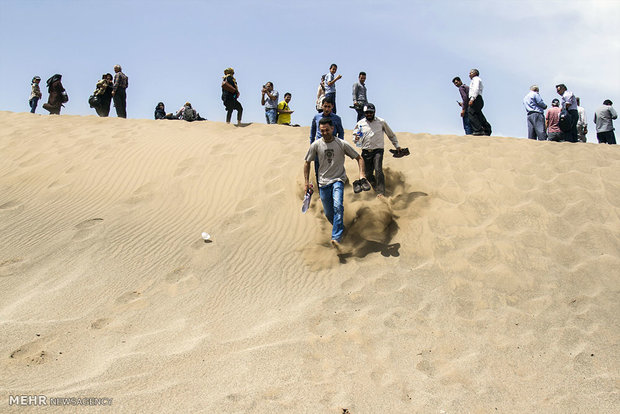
[368, 133]
[582, 123]
[569, 103]
[477, 119]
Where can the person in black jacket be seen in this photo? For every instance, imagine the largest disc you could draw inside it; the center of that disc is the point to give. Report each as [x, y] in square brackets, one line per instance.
[230, 94]
[57, 95]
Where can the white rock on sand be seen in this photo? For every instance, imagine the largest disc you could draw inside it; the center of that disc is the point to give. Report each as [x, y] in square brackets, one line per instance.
[488, 281]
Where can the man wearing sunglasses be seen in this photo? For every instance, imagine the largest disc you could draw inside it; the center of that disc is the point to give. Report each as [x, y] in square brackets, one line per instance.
[368, 133]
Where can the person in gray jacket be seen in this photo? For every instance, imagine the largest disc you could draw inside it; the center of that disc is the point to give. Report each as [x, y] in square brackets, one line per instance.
[603, 117]
[359, 95]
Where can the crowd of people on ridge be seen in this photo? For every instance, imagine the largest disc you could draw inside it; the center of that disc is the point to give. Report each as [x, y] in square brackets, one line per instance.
[564, 121]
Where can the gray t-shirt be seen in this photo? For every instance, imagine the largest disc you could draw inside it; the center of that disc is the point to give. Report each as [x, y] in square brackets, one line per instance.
[272, 103]
[331, 159]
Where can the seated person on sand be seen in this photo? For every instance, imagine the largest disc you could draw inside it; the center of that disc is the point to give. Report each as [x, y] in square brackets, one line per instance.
[160, 112]
[187, 113]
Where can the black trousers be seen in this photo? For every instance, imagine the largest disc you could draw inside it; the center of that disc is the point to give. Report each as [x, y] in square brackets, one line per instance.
[607, 137]
[373, 168]
[478, 122]
[120, 102]
[571, 136]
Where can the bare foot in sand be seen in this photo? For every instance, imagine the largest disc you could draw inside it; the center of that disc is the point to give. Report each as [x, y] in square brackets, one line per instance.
[336, 245]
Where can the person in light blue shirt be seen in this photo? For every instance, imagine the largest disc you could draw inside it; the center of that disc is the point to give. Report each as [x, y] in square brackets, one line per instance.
[270, 101]
[330, 84]
[535, 108]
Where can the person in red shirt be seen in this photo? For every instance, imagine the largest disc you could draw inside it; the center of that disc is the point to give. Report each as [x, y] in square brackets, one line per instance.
[552, 121]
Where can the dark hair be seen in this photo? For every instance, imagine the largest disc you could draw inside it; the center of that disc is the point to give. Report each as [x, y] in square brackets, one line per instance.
[456, 78]
[326, 121]
[329, 101]
[607, 102]
[561, 85]
[362, 73]
[288, 93]
[269, 83]
[333, 65]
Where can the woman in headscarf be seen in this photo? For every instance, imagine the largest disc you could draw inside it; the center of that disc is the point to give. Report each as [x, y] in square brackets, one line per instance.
[103, 95]
[230, 94]
[57, 95]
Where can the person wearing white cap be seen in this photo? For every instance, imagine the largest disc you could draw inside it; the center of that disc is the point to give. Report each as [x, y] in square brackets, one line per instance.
[368, 133]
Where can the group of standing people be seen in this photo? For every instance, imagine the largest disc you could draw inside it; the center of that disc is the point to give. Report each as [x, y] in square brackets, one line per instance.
[111, 88]
[57, 94]
[328, 149]
[566, 119]
[107, 89]
[474, 121]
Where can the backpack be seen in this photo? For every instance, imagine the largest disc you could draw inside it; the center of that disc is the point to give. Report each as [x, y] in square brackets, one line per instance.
[189, 114]
[565, 122]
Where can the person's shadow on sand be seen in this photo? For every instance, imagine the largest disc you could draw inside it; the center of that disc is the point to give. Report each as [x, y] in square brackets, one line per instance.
[367, 247]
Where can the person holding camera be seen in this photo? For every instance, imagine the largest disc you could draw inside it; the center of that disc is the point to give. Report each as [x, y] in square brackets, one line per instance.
[269, 99]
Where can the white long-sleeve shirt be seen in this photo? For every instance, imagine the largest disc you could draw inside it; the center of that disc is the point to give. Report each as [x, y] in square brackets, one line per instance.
[372, 133]
[475, 87]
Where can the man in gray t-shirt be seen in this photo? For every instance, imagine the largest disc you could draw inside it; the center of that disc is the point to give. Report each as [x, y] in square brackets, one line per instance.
[332, 174]
[269, 98]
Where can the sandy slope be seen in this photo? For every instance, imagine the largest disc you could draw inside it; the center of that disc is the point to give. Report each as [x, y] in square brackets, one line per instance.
[488, 283]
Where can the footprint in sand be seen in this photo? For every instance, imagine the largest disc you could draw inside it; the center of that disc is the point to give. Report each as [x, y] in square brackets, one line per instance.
[144, 193]
[85, 229]
[129, 297]
[11, 206]
[100, 323]
[185, 167]
[9, 266]
[32, 353]
[180, 281]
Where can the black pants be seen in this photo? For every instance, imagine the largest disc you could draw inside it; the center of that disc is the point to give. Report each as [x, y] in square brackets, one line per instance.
[120, 102]
[571, 136]
[478, 122]
[373, 168]
[230, 107]
[607, 137]
[360, 111]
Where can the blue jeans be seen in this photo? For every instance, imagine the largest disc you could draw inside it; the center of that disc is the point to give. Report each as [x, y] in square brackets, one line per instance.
[331, 197]
[270, 115]
[467, 125]
[536, 126]
[33, 104]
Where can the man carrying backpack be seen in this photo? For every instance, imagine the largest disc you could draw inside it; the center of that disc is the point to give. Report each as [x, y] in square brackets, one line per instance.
[189, 114]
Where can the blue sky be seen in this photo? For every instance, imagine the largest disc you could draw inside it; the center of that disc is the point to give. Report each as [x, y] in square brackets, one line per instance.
[175, 51]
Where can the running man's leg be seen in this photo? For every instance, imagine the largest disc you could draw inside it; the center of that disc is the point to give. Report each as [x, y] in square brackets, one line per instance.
[367, 155]
[338, 210]
[378, 166]
[327, 198]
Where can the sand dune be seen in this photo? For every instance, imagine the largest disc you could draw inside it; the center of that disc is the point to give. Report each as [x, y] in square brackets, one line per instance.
[488, 282]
